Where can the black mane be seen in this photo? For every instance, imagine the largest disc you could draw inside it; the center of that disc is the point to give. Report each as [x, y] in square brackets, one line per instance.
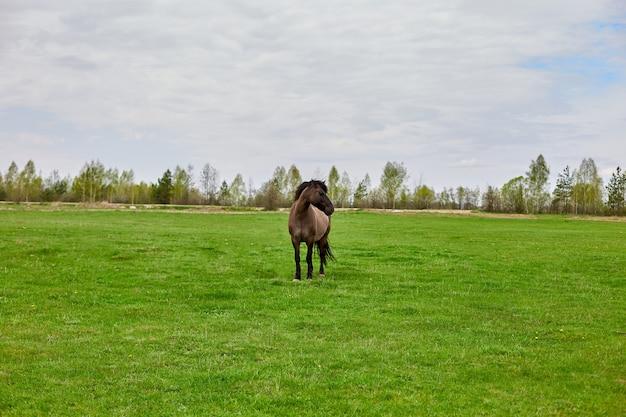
[305, 184]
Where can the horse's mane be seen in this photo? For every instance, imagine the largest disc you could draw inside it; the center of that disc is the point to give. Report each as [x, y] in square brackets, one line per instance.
[305, 184]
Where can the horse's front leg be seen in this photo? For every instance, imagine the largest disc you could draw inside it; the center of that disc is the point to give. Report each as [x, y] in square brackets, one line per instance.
[296, 257]
[309, 260]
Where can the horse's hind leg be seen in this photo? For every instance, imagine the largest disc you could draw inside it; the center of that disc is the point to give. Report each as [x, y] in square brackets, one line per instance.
[322, 248]
[309, 260]
[296, 256]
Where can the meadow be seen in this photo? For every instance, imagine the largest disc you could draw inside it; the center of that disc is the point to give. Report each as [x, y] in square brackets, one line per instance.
[152, 313]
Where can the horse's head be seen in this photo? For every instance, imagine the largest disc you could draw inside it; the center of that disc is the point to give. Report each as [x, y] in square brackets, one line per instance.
[315, 192]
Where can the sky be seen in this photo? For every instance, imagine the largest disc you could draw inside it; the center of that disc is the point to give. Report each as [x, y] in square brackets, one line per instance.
[462, 92]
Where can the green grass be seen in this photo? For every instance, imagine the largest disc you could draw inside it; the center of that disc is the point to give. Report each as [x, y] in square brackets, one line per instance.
[177, 314]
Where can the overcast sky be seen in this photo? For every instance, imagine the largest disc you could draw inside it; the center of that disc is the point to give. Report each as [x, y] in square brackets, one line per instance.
[463, 92]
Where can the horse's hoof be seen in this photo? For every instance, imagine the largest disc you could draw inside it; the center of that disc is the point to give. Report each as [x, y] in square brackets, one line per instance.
[322, 275]
[296, 280]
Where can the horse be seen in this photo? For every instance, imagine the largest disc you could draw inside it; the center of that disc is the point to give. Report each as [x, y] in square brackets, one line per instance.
[309, 222]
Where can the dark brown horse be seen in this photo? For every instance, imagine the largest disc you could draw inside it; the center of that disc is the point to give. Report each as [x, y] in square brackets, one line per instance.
[309, 222]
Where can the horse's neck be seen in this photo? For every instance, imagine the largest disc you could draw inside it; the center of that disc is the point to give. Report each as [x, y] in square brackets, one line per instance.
[302, 207]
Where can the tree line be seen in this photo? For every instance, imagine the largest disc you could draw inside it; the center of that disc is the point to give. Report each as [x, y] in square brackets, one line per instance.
[577, 191]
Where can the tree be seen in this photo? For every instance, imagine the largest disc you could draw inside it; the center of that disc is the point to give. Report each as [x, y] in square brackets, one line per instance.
[54, 187]
[293, 180]
[403, 201]
[472, 197]
[587, 190]
[251, 192]
[333, 183]
[460, 197]
[126, 186]
[224, 195]
[29, 183]
[181, 185]
[11, 182]
[111, 183]
[361, 192]
[280, 182]
[3, 194]
[423, 197]
[344, 191]
[392, 180]
[446, 199]
[89, 184]
[144, 193]
[270, 195]
[616, 192]
[237, 191]
[513, 196]
[563, 192]
[537, 181]
[492, 201]
[209, 179]
[163, 190]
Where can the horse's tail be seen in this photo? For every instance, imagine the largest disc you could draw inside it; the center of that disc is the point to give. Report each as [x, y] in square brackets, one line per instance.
[325, 252]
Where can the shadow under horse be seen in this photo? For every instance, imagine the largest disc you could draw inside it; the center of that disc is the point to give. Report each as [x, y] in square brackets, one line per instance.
[309, 222]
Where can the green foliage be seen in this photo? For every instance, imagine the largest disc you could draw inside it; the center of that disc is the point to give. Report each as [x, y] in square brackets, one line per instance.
[237, 191]
[537, 182]
[270, 197]
[343, 191]
[492, 200]
[423, 197]
[279, 177]
[224, 197]
[182, 181]
[163, 190]
[333, 183]
[294, 179]
[11, 185]
[119, 313]
[587, 191]
[563, 193]
[513, 195]
[361, 192]
[616, 192]
[55, 187]
[88, 186]
[391, 182]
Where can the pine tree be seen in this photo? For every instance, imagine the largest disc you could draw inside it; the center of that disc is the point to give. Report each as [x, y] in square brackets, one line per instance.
[562, 200]
[492, 200]
[616, 190]
[224, 195]
[163, 189]
[361, 192]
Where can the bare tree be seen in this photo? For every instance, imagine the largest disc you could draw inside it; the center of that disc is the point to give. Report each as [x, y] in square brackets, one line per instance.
[209, 180]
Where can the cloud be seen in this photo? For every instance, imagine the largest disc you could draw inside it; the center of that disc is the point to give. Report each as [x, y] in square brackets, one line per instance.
[249, 85]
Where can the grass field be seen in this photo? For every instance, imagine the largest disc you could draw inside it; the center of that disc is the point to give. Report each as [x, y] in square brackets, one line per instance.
[119, 313]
